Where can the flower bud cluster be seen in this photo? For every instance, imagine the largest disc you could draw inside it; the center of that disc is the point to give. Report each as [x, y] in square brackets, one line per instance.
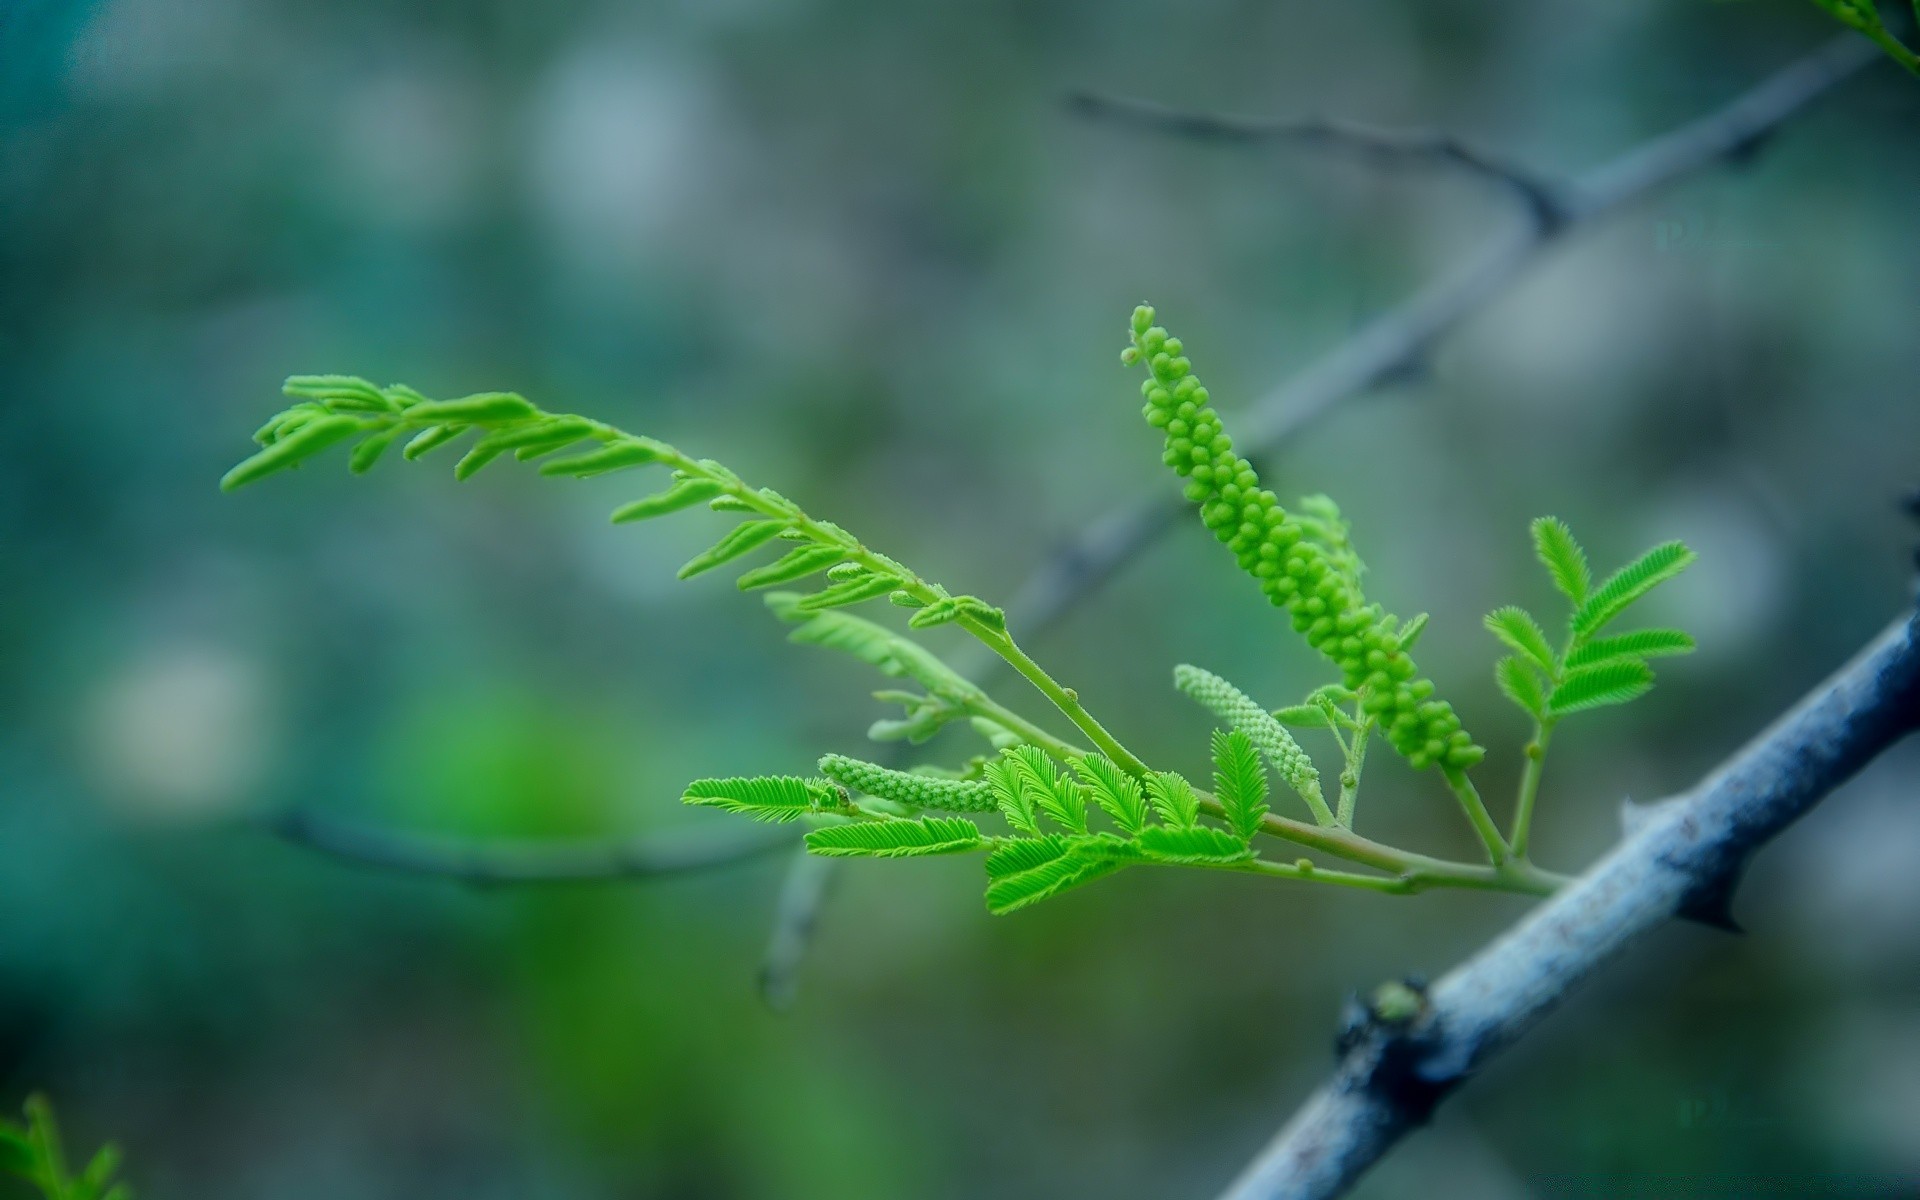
[916, 791]
[1294, 571]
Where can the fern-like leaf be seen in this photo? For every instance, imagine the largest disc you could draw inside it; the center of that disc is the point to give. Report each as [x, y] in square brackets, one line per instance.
[1517, 628]
[1563, 558]
[1628, 584]
[1080, 861]
[896, 839]
[1240, 781]
[1173, 799]
[1115, 791]
[35, 1153]
[1520, 681]
[777, 799]
[744, 538]
[1056, 795]
[1614, 682]
[1197, 845]
[1024, 854]
[794, 564]
[1011, 796]
[1641, 643]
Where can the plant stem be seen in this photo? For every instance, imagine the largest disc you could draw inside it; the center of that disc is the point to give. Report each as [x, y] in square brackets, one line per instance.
[1476, 809]
[1064, 698]
[1530, 786]
[1350, 776]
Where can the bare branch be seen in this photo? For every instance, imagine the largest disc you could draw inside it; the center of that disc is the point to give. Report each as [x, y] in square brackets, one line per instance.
[1682, 857]
[809, 879]
[484, 864]
[1399, 340]
[1541, 197]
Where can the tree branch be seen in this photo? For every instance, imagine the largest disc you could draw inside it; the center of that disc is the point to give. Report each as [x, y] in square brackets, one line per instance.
[1398, 340]
[1681, 857]
[1540, 196]
[484, 864]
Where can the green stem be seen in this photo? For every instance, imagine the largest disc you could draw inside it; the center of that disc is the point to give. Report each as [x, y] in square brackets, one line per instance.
[1530, 786]
[1064, 698]
[1350, 777]
[1469, 796]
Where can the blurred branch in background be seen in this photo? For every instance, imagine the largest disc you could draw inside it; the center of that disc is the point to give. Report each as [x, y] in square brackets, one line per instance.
[1541, 197]
[809, 879]
[483, 864]
[1682, 856]
[1397, 341]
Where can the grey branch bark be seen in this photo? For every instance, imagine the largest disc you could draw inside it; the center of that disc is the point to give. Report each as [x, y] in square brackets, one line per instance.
[1683, 855]
[1399, 340]
[1540, 196]
[481, 864]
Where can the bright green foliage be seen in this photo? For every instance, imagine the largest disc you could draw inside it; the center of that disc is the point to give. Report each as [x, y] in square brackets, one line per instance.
[901, 787]
[1115, 791]
[1240, 780]
[1233, 706]
[1589, 671]
[33, 1152]
[1072, 813]
[1863, 17]
[1173, 799]
[777, 799]
[1628, 584]
[896, 839]
[1052, 793]
[1305, 565]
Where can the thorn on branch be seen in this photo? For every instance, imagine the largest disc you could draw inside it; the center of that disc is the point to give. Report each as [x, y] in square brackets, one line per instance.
[1542, 198]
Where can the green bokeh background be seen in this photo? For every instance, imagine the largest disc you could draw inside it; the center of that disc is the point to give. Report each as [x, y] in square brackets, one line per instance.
[863, 254]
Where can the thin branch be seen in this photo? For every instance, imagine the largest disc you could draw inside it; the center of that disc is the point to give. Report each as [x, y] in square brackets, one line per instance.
[1399, 340]
[809, 879]
[483, 864]
[1682, 857]
[1541, 197]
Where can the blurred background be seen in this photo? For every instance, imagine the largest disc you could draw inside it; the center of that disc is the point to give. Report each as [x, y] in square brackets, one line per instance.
[864, 254]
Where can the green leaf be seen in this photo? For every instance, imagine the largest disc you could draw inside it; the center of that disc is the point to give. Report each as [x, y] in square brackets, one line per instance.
[1055, 795]
[1411, 631]
[1239, 780]
[1563, 558]
[896, 839]
[1081, 861]
[483, 407]
[1114, 790]
[629, 452]
[1597, 686]
[1303, 716]
[1173, 799]
[1521, 682]
[303, 443]
[1630, 583]
[891, 653]
[1024, 854]
[338, 390]
[1196, 845]
[940, 612]
[1641, 643]
[1011, 796]
[776, 798]
[1517, 628]
[370, 449]
[430, 439]
[685, 494]
[477, 456]
[797, 563]
[565, 432]
[853, 591]
[743, 539]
